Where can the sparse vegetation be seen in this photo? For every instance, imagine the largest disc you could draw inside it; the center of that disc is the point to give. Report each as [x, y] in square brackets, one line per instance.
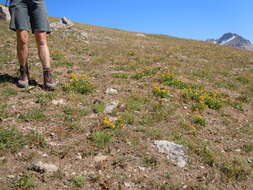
[11, 140]
[192, 93]
[78, 84]
[78, 181]
[25, 183]
[33, 115]
[199, 120]
[101, 138]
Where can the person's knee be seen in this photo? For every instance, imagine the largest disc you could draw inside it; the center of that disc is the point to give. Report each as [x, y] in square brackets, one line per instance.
[23, 38]
[41, 38]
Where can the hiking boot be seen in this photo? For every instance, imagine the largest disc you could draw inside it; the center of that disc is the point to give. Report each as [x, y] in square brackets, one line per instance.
[23, 81]
[48, 79]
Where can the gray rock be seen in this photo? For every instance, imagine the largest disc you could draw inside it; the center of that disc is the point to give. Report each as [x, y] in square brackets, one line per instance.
[43, 167]
[64, 23]
[58, 102]
[4, 13]
[111, 91]
[67, 22]
[111, 106]
[176, 153]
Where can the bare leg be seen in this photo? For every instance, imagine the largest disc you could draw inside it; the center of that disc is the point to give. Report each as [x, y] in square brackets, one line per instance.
[22, 47]
[43, 51]
[23, 53]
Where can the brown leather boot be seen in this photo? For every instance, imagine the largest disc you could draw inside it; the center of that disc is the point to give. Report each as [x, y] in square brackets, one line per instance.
[48, 79]
[23, 81]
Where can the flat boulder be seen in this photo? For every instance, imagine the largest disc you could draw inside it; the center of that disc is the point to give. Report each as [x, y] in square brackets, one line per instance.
[175, 152]
[4, 13]
[41, 167]
[63, 23]
[109, 107]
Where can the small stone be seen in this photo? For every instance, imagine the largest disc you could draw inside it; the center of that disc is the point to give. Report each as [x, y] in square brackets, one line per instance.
[142, 168]
[176, 153]
[58, 102]
[45, 155]
[100, 158]
[111, 106]
[43, 167]
[111, 91]
[79, 156]
[10, 176]
[73, 173]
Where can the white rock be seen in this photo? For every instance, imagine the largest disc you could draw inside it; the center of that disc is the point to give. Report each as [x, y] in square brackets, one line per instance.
[100, 158]
[58, 102]
[10, 176]
[45, 155]
[79, 156]
[176, 153]
[4, 13]
[111, 106]
[111, 91]
[43, 167]
[142, 168]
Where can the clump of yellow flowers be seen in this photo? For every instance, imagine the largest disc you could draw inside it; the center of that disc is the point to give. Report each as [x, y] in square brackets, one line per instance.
[160, 92]
[204, 99]
[199, 120]
[166, 76]
[112, 123]
[56, 55]
[78, 84]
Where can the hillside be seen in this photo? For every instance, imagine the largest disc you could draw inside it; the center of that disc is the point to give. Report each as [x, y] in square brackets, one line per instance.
[192, 93]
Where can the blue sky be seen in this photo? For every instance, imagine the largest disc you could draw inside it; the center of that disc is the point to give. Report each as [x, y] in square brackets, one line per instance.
[195, 19]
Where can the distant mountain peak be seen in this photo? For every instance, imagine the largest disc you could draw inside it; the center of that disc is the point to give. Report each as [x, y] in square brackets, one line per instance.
[233, 40]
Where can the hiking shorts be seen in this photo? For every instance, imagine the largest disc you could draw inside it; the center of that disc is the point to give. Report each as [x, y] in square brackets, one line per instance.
[29, 14]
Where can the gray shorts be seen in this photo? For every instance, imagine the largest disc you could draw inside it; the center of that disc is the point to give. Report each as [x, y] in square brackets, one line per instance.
[26, 14]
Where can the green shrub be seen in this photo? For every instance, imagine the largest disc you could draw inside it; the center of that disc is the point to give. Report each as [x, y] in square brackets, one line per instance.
[101, 139]
[25, 182]
[236, 169]
[11, 140]
[78, 181]
[35, 139]
[242, 80]
[9, 92]
[33, 115]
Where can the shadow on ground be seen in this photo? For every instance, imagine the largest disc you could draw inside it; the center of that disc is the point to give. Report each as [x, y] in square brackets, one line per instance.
[14, 80]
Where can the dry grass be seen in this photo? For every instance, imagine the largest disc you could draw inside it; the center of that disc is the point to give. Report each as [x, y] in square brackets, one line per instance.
[194, 93]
